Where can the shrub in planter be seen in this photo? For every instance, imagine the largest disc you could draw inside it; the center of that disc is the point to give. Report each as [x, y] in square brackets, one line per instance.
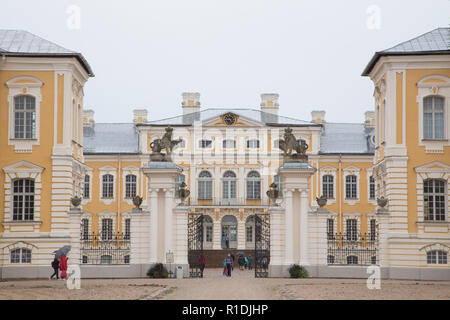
[297, 271]
[157, 271]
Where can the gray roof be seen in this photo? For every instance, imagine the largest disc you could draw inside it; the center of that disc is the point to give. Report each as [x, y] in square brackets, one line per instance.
[250, 114]
[346, 138]
[111, 138]
[436, 41]
[24, 43]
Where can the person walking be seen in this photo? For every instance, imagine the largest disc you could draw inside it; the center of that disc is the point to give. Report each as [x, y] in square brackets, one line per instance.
[55, 266]
[63, 267]
[245, 262]
[225, 270]
[232, 261]
[250, 262]
[229, 263]
[224, 242]
[202, 264]
[227, 242]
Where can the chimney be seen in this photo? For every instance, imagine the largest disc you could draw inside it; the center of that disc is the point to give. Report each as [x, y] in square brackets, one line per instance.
[269, 103]
[370, 119]
[318, 116]
[140, 115]
[88, 118]
[191, 102]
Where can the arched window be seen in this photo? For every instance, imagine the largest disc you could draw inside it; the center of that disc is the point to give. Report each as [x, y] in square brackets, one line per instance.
[253, 186]
[437, 257]
[205, 186]
[352, 260]
[371, 188]
[108, 186]
[178, 180]
[24, 117]
[87, 187]
[229, 231]
[279, 182]
[229, 186]
[23, 199]
[130, 186]
[21, 255]
[433, 118]
[351, 187]
[328, 186]
[434, 192]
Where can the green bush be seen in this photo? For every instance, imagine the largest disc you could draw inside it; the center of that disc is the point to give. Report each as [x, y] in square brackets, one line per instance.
[157, 271]
[297, 271]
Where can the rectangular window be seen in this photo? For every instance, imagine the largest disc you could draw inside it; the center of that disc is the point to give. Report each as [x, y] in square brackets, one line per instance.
[371, 188]
[87, 187]
[330, 229]
[209, 233]
[107, 229]
[249, 233]
[23, 200]
[373, 229]
[352, 229]
[434, 193]
[350, 187]
[24, 117]
[127, 231]
[85, 229]
[328, 186]
[130, 186]
[433, 118]
[205, 190]
[253, 144]
[229, 144]
[108, 186]
[205, 144]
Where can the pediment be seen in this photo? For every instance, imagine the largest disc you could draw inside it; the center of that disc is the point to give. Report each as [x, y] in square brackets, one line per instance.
[231, 119]
[434, 166]
[23, 166]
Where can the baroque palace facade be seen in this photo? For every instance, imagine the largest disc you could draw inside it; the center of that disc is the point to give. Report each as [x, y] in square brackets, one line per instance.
[53, 150]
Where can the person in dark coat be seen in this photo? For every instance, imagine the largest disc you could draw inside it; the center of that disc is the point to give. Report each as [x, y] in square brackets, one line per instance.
[55, 266]
[229, 264]
[250, 262]
[232, 261]
[202, 264]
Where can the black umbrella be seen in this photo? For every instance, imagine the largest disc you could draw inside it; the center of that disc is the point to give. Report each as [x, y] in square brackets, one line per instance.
[62, 251]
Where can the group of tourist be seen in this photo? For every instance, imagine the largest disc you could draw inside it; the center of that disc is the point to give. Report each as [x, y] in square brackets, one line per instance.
[243, 262]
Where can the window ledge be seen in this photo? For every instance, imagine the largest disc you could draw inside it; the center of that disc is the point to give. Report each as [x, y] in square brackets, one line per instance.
[433, 223]
[435, 140]
[22, 222]
[23, 139]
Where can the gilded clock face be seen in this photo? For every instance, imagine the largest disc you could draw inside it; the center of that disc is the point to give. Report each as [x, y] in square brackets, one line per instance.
[229, 119]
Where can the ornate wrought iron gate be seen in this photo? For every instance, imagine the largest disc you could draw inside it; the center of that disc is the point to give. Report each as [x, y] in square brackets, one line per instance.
[262, 245]
[195, 245]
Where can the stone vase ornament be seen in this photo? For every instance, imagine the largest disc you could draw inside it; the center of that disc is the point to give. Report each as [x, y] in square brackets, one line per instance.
[382, 202]
[322, 201]
[273, 193]
[183, 193]
[76, 201]
[137, 201]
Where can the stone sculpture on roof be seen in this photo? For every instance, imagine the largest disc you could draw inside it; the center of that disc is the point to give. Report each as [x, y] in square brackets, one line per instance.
[290, 143]
[165, 142]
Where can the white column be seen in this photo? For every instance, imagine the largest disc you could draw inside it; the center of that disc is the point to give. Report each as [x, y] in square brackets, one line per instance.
[168, 220]
[181, 234]
[154, 225]
[304, 227]
[241, 235]
[289, 223]
[217, 232]
[217, 180]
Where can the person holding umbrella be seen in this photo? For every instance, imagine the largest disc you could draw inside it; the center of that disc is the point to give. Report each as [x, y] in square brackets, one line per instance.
[63, 267]
[55, 266]
[61, 254]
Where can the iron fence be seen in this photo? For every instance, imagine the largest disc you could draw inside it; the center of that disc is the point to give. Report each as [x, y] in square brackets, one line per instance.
[352, 248]
[105, 248]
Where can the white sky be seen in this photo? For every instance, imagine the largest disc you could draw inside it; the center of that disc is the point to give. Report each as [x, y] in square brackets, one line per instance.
[146, 53]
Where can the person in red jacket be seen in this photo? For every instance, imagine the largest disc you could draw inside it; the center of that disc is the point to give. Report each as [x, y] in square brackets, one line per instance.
[63, 267]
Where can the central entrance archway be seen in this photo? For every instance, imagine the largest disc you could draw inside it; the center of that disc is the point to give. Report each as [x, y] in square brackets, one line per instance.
[229, 232]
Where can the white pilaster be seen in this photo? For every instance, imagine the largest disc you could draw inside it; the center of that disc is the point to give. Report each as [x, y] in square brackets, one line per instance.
[168, 219]
[217, 239]
[154, 225]
[289, 222]
[241, 235]
[304, 227]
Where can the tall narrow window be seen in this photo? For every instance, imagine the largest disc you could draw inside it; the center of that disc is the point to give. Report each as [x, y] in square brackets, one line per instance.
[127, 231]
[23, 199]
[24, 117]
[205, 186]
[373, 229]
[253, 186]
[352, 229]
[279, 182]
[87, 187]
[350, 187]
[108, 186]
[328, 186]
[178, 180]
[229, 185]
[371, 188]
[434, 192]
[330, 229]
[107, 229]
[130, 186]
[84, 229]
[433, 118]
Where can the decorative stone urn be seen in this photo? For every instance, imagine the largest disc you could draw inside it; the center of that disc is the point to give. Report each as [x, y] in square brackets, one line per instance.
[382, 202]
[137, 201]
[322, 201]
[76, 201]
[273, 193]
[183, 193]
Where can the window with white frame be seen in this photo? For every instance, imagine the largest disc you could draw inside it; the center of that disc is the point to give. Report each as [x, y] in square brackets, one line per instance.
[372, 229]
[437, 257]
[127, 231]
[229, 144]
[108, 186]
[330, 259]
[130, 186]
[328, 186]
[229, 185]
[253, 186]
[205, 186]
[87, 187]
[253, 144]
[434, 193]
[208, 222]
[249, 223]
[279, 182]
[23, 200]
[84, 229]
[21, 255]
[106, 259]
[24, 117]
[352, 229]
[371, 188]
[330, 229]
[179, 179]
[107, 229]
[205, 144]
[433, 118]
[351, 187]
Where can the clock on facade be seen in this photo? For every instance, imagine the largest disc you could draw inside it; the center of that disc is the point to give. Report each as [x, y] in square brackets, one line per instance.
[230, 119]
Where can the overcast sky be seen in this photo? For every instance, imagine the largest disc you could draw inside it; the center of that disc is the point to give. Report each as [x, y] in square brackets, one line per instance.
[146, 53]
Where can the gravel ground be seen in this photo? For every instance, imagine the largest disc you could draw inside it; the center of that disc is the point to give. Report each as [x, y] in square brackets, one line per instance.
[240, 286]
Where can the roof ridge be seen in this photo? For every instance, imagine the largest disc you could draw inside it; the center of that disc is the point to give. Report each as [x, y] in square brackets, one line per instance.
[412, 39]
